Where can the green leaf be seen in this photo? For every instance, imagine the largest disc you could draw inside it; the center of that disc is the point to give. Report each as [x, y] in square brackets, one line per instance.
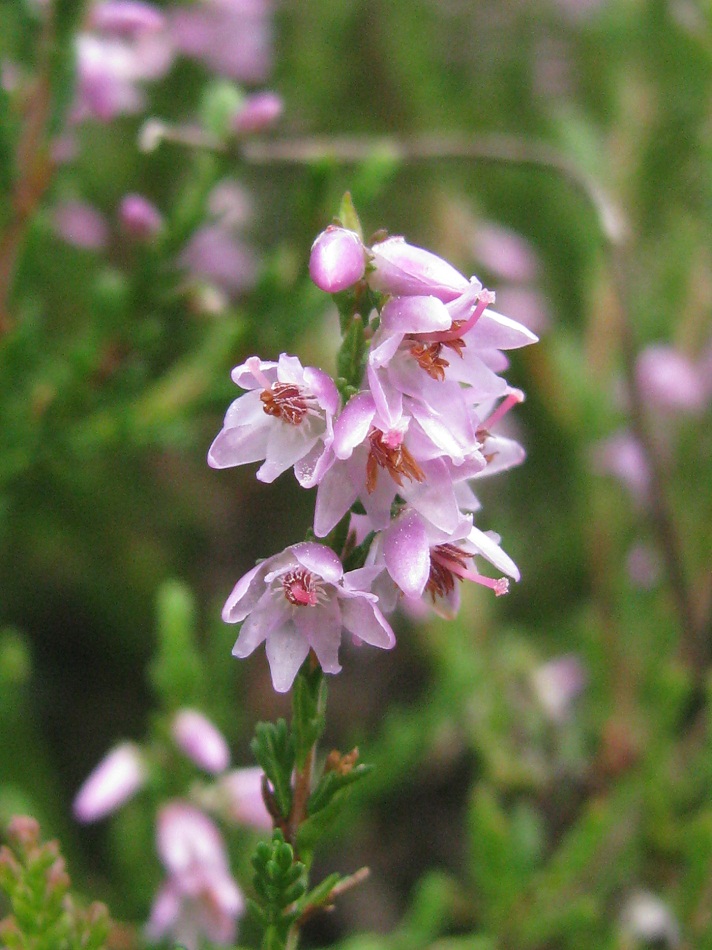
[348, 216]
[274, 750]
[331, 784]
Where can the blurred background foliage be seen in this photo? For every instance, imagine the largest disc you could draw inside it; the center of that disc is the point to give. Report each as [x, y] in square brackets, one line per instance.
[494, 819]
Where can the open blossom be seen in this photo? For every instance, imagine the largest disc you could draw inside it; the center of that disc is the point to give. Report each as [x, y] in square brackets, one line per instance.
[301, 600]
[285, 418]
[403, 269]
[200, 898]
[422, 560]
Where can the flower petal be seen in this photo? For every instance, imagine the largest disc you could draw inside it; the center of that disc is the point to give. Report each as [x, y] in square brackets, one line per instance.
[365, 621]
[407, 553]
[286, 651]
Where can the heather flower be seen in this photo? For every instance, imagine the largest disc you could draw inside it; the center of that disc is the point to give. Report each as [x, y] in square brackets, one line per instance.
[301, 600]
[139, 218]
[669, 381]
[80, 224]
[622, 456]
[215, 254]
[200, 740]
[199, 899]
[645, 917]
[284, 418]
[241, 792]
[337, 260]
[420, 559]
[403, 269]
[557, 683]
[114, 781]
[373, 459]
[110, 69]
[258, 112]
[232, 37]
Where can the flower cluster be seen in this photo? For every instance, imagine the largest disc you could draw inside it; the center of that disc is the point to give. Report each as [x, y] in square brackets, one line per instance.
[199, 897]
[392, 452]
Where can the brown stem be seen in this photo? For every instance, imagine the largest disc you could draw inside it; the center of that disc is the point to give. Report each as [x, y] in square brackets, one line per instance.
[34, 174]
[300, 798]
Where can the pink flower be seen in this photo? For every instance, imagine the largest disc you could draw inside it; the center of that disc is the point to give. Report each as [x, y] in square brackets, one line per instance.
[300, 600]
[259, 111]
[557, 684]
[421, 559]
[215, 254]
[200, 899]
[403, 269]
[232, 37]
[82, 225]
[114, 781]
[200, 740]
[126, 17]
[337, 260]
[139, 218]
[285, 418]
[669, 381]
[373, 459]
[241, 792]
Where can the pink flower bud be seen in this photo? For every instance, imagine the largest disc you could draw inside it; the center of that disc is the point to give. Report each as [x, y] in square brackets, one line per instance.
[337, 260]
[669, 381]
[82, 225]
[114, 781]
[201, 741]
[259, 111]
[241, 790]
[403, 269]
[139, 218]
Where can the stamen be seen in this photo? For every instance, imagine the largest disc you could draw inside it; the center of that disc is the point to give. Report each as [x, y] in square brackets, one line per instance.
[285, 401]
[427, 356]
[302, 588]
[514, 398]
[447, 562]
[387, 451]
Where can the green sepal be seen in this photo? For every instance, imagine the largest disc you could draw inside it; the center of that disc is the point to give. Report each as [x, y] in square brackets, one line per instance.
[273, 749]
[308, 710]
[348, 216]
[331, 784]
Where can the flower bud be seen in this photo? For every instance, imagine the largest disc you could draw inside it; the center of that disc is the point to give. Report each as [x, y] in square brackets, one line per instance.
[114, 781]
[669, 381]
[201, 741]
[258, 112]
[337, 260]
[241, 791]
[139, 218]
[403, 269]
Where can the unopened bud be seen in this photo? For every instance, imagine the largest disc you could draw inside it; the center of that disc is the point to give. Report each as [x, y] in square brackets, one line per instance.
[115, 779]
[337, 260]
[201, 741]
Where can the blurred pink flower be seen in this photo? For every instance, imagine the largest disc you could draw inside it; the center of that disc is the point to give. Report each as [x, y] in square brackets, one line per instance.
[259, 111]
[139, 218]
[622, 456]
[504, 253]
[200, 898]
[557, 684]
[669, 381]
[216, 255]
[200, 740]
[232, 37]
[80, 224]
[241, 790]
[114, 781]
[643, 566]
